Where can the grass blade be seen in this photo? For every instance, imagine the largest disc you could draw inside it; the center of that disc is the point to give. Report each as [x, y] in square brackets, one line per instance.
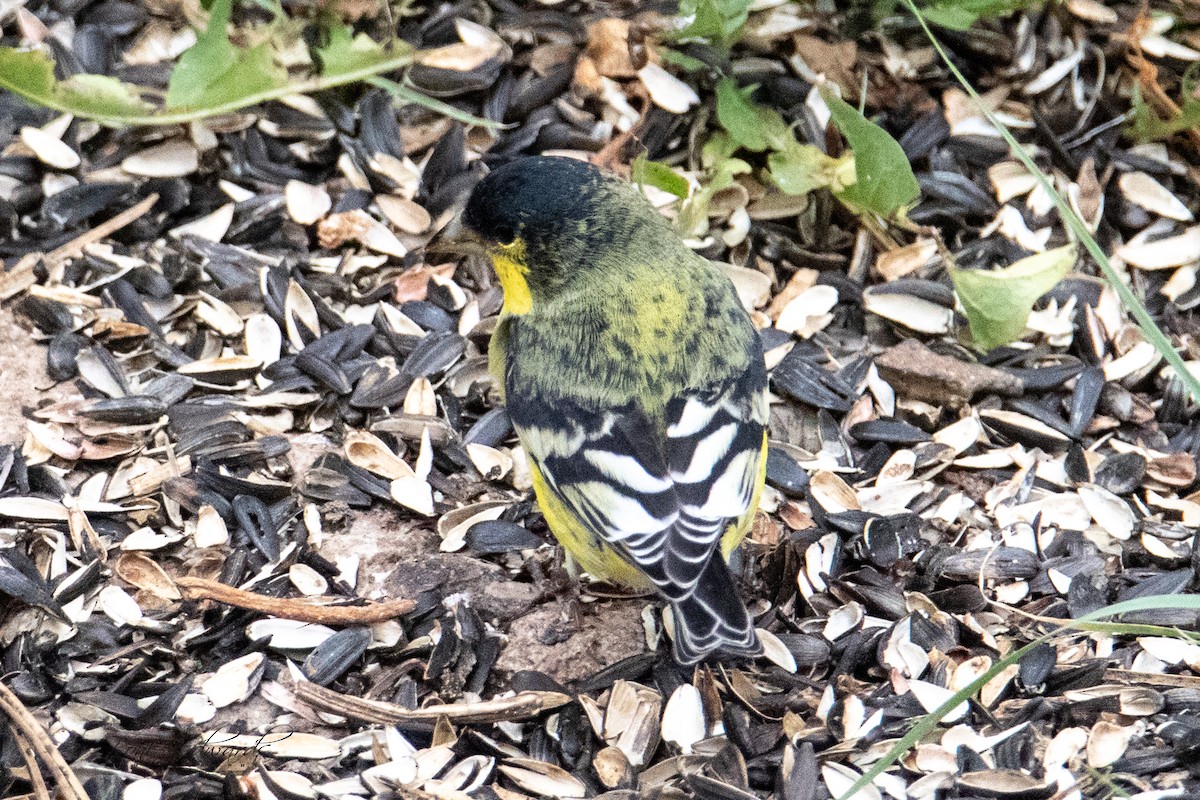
[406, 94]
[930, 721]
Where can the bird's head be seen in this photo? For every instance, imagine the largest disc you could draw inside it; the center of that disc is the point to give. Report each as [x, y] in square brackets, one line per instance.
[540, 219]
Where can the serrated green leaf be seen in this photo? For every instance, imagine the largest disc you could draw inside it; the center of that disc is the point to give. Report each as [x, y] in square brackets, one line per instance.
[802, 168]
[660, 176]
[884, 178]
[30, 74]
[204, 62]
[346, 52]
[998, 301]
[752, 126]
[102, 96]
[213, 72]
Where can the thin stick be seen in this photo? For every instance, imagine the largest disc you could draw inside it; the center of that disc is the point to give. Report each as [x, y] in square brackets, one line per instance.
[21, 277]
[36, 779]
[522, 706]
[74, 248]
[301, 610]
[26, 727]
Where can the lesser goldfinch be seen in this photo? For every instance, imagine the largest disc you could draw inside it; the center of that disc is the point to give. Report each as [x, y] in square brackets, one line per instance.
[636, 384]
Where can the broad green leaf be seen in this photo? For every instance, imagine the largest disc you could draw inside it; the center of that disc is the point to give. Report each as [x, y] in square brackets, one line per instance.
[802, 168]
[346, 52]
[885, 180]
[752, 126]
[102, 95]
[739, 115]
[213, 72]
[27, 72]
[998, 301]
[204, 62]
[30, 73]
[660, 176]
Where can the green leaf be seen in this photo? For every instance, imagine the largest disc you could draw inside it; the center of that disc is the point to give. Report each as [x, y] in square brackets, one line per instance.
[738, 115]
[681, 60]
[802, 168]
[1147, 126]
[1075, 225]
[346, 52]
[998, 301]
[693, 217]
[213, 72]
[752, 126]
[30, 74]
[204, 62]
[960, 15]
[660, 176]
[27, 72]
[718, 22]
[102, 95]
[885, 180]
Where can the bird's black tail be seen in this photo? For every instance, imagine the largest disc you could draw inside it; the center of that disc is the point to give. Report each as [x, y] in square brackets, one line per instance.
[712, 619]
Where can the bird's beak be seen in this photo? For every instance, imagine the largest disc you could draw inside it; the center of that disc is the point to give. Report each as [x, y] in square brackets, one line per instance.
[457, 239]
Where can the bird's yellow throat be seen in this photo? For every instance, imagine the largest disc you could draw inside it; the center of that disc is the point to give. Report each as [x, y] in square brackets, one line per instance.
[509, 263]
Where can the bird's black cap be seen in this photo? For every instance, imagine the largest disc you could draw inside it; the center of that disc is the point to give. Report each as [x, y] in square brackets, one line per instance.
[533, 198]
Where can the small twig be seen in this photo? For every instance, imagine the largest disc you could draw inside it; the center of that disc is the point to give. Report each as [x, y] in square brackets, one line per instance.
[521, 706]
[1134, 678]
[26, 727]
[74, 248]
[36, 779]
[21, 276]
[302, 610]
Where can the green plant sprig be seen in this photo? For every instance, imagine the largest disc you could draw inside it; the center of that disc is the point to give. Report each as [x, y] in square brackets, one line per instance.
[215, 77]
[1132, 304]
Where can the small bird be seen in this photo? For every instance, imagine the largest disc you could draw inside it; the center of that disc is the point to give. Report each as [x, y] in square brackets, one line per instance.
[636, 385]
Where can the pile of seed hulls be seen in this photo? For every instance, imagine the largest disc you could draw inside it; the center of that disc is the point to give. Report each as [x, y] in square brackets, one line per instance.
[269, 382]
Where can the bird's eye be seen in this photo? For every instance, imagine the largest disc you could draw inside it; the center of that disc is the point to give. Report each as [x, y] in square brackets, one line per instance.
[506, 234]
